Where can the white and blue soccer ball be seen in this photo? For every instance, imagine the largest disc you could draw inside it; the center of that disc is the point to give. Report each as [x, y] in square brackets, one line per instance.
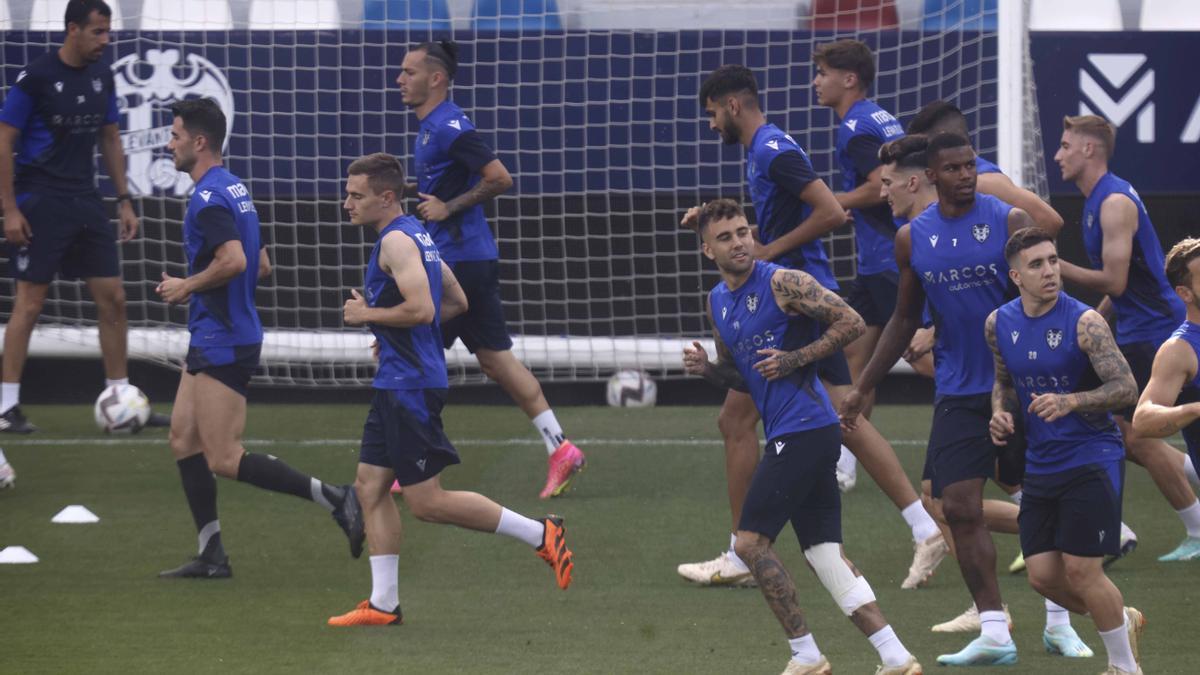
[122, 409]
[631, 389]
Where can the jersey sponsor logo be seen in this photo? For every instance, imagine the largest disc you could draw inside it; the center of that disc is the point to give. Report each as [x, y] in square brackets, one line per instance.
[147, 83]
[752, 302]
[1015, 335]
[933, 240]
[1054, 337]
[58, 86]
[981, 232]
[852, 124]
[206, 195]
[97, 85]
[964, 277]
[779, 447]
[456, 124]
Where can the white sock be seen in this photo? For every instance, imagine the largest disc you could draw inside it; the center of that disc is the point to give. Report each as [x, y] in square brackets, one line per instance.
[385, 569]
[1189, 470]
[1055, 615]
[732, 554]
[847, 463]
[995, 626]
[1191, 519]
[1127, 532]
[1016, 497]
[1116, 643]
[891, 651]
[10, 395]
[547, 425]
[804, 649]
[112, 383]
[517, 526]
[3, 459]
[919, 522]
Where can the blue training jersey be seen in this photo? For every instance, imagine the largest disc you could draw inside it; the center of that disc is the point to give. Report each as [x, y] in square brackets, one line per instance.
[983, 165]
[961, 265]
[449, 153]
[777, 170]
[1149, 309]
[865, 128]
[59, 111]
[748, 319]
[1043, 356]
[1190, 333]
[409, 358]
[220, 210]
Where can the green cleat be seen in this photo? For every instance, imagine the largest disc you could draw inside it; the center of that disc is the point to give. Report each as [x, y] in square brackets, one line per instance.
[1189, 549]
[982, 651]
[1065, 641]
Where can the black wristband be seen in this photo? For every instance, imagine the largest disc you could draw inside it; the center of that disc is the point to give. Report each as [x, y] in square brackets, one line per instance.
[125, 198]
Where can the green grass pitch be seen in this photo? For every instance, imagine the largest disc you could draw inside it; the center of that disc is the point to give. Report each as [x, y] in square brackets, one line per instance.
[475, 602]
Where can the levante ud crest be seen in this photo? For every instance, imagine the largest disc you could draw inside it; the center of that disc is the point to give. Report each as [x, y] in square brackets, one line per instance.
[1054, 337]
[981, 232]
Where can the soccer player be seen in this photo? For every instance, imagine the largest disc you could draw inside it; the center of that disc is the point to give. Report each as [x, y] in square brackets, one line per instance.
[408, 292]
[1059, 370]
[54, 222]
[1127, 267]
[1171, 400]
[771, 325]
[221, 233]
[794, 208]
[953, 255]
[456, 173]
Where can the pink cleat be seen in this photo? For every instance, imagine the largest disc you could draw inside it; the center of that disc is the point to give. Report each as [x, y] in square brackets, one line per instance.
[565, 463]
[396, 488]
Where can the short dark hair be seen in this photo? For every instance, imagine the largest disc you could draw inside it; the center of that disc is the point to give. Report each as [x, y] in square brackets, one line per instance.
[1178, 258]
[202, 117]
[729, 79]
[907, 152]
[1026, 237]
[441, 54]
[79, 12]
[933, 115]
[383, 171]
[719, 209]
[944, 141]
[849, 55]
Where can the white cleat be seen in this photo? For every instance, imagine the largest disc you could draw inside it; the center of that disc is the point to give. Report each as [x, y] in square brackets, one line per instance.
[821, 667]
[720, 571]
[8, 476]
[968, 622]
[909, 667]
[1135, 623]
[927, 555]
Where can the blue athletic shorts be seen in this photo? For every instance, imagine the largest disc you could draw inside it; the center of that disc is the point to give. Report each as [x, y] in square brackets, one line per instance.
[482, 326]
[1140, 357]
[403, 432]
[873, 296]
[796, 480]
[834, 369]
[1077, 511]
[231, 366]
[960, 447]
[72, 238]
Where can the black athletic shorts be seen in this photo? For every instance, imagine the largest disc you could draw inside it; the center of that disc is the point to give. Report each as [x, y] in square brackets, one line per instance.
[482, 326]
[72, 237]
[403, 432]
[1077, 511]
[834, 369]
[231, 366]
[873, 296]
[1010, 459]
[1140, 356]
[960, 446]
[796, 480]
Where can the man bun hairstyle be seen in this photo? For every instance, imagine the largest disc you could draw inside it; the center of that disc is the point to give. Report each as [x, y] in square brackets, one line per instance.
[441, 54]
[934, 115]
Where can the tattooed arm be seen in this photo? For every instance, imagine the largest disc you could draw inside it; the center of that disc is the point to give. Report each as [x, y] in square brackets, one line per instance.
[1118, 389]
[1004, 394]
[723, 373]
[1157, 416]
[797, 292]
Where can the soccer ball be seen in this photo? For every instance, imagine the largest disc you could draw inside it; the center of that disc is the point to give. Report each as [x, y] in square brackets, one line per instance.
[122, 409]
[631, 389]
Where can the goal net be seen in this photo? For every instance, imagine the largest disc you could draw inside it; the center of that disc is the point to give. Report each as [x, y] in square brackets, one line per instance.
[591, 104]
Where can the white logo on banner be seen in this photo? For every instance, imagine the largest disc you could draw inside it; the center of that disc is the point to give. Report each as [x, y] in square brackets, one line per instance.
[1117, 70]
[145, 103]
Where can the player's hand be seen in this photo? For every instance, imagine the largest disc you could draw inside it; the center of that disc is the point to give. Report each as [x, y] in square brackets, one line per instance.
[695, 359]
[1051, 407]
[777, 364]
[767, 252]
[354, 312]
[16, 228]
[375, 350]
[691, 219]
[432, 209]
[128, 219]
[852, 407]
[1001, 427]
[173, 290]
[920, 345]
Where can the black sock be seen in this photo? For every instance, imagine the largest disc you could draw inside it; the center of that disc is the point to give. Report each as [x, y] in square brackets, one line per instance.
[200, 488]
[270, 473]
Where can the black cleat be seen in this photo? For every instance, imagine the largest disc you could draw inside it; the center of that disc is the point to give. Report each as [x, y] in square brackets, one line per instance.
[14, 422]
[349, 517]
[159, 420]
[199, 568]
[1126, 548]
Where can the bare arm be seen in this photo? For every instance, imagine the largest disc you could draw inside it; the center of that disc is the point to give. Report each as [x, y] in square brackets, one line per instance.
[1005, 404]
[866, 195]
[1118, 388]
[825, 217]
[494, 180]
[1018, 219]
[1118, 225]
[1157, 415]
[16, 228]
[114, 161]
[723, 373]
[1000, 186]
[264, 264]
[454, 299]
[229, 260]
[399, 257]
[797, 292]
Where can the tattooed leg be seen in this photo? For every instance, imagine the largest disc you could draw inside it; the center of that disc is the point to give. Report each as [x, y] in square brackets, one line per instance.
[773, 579]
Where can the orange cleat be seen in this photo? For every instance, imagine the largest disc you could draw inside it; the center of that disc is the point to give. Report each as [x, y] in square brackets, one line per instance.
[366, 615]
[565, 463]
[555, 552]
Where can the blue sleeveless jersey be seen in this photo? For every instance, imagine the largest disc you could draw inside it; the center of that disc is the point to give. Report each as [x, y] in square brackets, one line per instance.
[778, 211]
[449, 154]
[983, 165]
[868, 126]
[748, 319]
[409, 358]
[1149, 309]
[1190, 332]
[1043, 356]
[225, 316]
[961, 266]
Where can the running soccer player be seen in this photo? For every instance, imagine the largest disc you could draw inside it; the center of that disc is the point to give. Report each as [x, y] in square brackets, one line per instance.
[1127, 267]
[456, 173]
[1059, 370]
[54, 221]
[221, 234]
[771, 326]
[794, 208]
[408, 292]
[953, 255]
